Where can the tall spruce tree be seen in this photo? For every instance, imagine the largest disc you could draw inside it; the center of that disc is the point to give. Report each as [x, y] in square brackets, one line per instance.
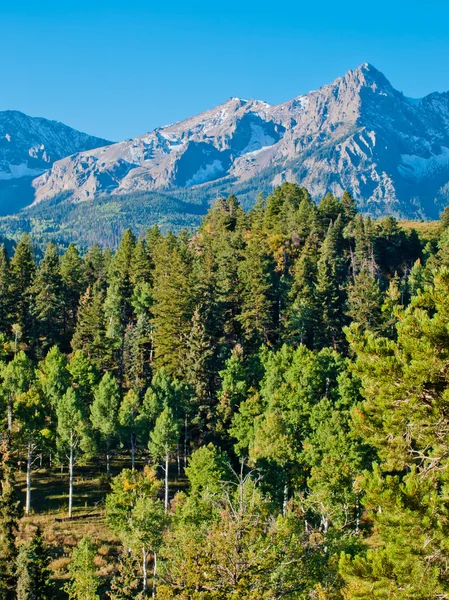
[48, 301]
[33, 572]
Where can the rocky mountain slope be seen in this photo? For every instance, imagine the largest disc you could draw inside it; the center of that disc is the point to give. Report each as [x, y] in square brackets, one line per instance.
[29, 146]
[357, 133]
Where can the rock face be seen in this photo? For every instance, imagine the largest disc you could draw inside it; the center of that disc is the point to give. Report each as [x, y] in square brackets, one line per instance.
[30, 145]
[357, 133]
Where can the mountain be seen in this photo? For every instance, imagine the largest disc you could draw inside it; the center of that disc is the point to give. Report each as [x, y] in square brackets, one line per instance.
[358, 133]
[28, 147]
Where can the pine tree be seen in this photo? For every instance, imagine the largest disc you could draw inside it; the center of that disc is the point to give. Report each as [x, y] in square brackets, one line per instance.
[302, 313]
[330, 292]
[9, 516]
[196, 369]
[6, 298]
[256, 274]
[84, 582]
[23, 270]
[90, 333]
[74, 282]
[48, 300]
[32, 571]
[364, 302]
[173, 305]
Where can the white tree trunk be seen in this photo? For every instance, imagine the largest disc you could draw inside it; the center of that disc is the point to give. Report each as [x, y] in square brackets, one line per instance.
[144, 569]
[28, 493]
[166, 482]
[71, 461]
[108, 463]
[9, 413]
[154, 575]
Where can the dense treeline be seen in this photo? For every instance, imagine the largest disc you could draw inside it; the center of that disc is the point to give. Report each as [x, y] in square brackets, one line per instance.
[292, 361]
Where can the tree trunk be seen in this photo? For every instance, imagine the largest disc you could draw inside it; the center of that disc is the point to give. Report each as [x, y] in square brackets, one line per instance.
[28, 493]
[9, 413]
[144, 569]
[284, 503]
[108, 463]
[154, 575]
[71, 460]
[166, 482]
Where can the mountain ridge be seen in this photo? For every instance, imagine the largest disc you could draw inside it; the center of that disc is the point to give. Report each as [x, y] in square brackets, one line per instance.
[357, 133]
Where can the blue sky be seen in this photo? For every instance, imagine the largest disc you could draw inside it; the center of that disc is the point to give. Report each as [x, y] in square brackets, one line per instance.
[120, 69]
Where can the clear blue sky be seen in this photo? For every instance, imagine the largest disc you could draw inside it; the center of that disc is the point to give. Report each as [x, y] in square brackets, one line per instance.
[120, 69]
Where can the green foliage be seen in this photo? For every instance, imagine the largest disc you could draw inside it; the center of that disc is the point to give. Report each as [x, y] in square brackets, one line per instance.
[33, 573]
[84, 582]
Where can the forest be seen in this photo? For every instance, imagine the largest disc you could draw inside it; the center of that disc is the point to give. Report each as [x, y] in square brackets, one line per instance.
[259, 409]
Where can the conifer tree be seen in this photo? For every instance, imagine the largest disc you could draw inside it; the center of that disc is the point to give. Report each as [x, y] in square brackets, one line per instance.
[32, 571]
[6, 297]
[256, 292]
[90, 333]
[48, 300]
[9, 515]
[23, 269]
[74, 282]
[330, 292]
[173, 305]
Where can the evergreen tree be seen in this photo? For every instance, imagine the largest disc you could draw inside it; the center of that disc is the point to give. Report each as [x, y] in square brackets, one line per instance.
[6, 297]
[8, 522]
[172, 309]
[330, 292]
[23, 269]
[33, 573]
[90, 333]
[48, 300]
[74, 282]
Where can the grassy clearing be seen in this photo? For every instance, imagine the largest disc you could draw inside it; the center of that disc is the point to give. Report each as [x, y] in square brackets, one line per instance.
[49, 502]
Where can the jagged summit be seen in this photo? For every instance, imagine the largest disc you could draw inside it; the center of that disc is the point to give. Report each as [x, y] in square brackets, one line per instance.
[356, 133]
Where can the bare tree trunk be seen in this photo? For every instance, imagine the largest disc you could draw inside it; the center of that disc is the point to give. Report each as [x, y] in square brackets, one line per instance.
[71, 460]
[108, 463]
[9, 413]
[154, 574]
[28, 493]
[166, 482]
[284, 503]
[178, 460]
[144, 569]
